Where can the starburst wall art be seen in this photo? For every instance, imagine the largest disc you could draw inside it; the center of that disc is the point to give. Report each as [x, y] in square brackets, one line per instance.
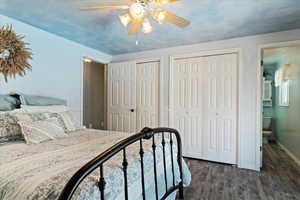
[14, 53]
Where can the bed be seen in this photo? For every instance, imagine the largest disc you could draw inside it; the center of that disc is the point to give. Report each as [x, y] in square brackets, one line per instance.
[92, 164]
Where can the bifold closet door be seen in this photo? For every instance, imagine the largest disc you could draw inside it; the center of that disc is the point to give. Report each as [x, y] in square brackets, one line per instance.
[187, 83]
[121, 104]
[205, 106]
[147, 102]
[220, 108]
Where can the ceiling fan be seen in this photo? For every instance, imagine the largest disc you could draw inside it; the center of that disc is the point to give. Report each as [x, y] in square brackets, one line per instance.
[140, 12]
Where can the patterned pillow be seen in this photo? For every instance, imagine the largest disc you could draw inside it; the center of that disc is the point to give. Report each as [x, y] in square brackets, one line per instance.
[69, 123]
[31, 117]
[9, 128]
[43, 130]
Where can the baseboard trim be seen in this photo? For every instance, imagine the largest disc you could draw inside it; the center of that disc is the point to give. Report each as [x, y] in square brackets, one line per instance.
[289, 153]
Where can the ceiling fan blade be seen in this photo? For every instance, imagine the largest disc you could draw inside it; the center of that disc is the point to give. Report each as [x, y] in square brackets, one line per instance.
[105, 8]
[135, 25]
[174, 19]
[165, 1]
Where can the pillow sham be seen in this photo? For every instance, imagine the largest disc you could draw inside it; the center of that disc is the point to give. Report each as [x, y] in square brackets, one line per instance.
[69, 122]
[9, 128]
[41, 131]
[51, 109]
[8, 103]
[40, 100]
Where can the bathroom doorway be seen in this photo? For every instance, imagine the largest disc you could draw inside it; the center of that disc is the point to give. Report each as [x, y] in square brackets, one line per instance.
[281, 98]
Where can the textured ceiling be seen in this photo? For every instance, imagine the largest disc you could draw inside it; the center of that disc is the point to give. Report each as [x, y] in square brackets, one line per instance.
[211, 20]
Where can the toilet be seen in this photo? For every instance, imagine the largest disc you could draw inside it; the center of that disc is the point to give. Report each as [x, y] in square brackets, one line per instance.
[267, 129]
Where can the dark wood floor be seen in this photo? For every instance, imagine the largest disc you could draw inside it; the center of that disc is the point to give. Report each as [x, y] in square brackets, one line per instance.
[278, 180]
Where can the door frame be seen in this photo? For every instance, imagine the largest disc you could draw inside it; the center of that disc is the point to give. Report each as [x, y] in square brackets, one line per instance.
[82, 75]
[172, 59]
[259, 136]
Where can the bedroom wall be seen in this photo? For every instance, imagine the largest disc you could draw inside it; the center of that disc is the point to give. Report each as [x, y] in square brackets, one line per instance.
[56, 66]
[249, 141]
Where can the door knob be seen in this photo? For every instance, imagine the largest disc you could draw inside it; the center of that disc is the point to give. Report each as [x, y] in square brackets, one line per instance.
[131, 110]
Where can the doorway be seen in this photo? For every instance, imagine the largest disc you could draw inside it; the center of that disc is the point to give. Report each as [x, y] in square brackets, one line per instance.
[280, 98]
[94, 94]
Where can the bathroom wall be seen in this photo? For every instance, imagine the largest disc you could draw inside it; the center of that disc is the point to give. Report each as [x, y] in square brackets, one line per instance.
[288, 118]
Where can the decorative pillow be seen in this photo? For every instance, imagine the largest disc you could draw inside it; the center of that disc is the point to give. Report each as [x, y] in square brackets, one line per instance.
[9, 128]
[7, 103]
[40, 131]
[69, 122]
[31, 117]
[40, 100]
[51, 109]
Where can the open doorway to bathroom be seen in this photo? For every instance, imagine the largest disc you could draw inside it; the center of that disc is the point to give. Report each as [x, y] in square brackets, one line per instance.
[281, 99]
[94, 94]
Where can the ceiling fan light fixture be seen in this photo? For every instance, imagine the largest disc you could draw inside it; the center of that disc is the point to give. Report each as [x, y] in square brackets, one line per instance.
[125, 19]
[146, 26]
[137, 11]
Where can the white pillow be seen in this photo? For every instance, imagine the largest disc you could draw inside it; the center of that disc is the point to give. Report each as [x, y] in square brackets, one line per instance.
[70, 123]
[51, 109]
[40, 131]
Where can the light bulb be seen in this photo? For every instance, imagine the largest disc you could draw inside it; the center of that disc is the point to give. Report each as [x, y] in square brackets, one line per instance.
[146, 26]
[161, 16]
[137, 11]
[87, 60]
[125, 19]
[164, 1]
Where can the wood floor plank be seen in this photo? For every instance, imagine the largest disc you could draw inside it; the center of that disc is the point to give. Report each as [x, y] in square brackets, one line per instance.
[278, 180]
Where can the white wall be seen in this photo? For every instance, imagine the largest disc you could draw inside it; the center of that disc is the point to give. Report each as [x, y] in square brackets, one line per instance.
[249, 155]
[56, 66]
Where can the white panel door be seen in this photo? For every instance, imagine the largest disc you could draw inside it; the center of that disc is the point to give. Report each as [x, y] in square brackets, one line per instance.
[205, 106]
[122, 96]
[147, 95]
[188, 104]
[220, 108]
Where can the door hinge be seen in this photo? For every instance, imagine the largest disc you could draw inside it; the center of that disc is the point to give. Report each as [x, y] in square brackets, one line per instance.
[261, 63]
[260, 148]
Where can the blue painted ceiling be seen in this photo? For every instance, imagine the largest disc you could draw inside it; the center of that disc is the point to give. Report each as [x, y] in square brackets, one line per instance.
[211, 20]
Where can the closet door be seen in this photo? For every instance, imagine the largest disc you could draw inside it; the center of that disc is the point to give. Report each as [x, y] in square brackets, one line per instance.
[220, 108]
[122, 96]
[147, 94]
[205, 106]
[188, 104]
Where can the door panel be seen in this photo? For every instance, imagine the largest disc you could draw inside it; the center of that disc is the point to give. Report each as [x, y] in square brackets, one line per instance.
[187, 104]
[147, 95]
[122, 96]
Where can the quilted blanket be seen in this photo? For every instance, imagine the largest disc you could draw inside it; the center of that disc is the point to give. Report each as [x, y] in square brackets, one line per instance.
[40, 171]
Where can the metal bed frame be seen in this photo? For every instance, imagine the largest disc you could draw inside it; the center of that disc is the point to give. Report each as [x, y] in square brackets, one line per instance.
[145, 134]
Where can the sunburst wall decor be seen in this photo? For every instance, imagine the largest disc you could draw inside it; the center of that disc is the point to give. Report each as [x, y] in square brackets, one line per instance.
[14, 53]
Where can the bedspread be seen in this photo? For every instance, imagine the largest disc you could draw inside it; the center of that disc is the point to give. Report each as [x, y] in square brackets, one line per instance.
[40, 171]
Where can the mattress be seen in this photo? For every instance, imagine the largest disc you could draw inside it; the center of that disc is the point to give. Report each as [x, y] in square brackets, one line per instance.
[40, 171]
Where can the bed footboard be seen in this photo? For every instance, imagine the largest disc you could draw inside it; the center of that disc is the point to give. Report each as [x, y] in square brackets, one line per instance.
[145, 134]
